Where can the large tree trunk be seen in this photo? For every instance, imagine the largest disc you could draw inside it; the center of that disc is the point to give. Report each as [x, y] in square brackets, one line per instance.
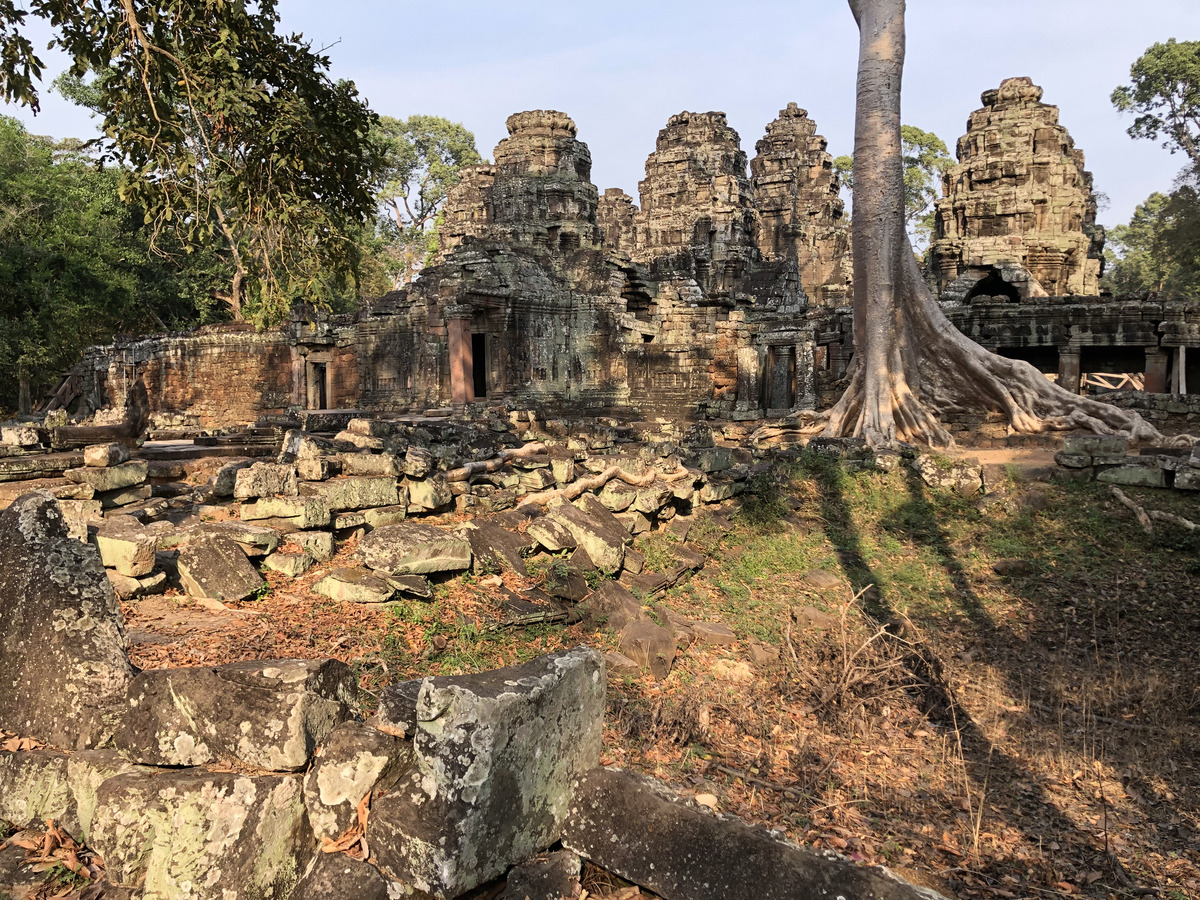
[912, 367]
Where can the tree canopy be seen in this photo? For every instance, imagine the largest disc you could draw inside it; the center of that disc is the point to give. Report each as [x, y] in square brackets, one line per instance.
[1164, 93]
[1159, 250]
[225, 130]
[420, 160]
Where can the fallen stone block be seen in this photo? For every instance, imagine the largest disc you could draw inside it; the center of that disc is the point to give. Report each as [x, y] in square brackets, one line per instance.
[548, 876]
[293, 565]
[418, 462]
[620, 664]
[604, 542]
[635, 827]
[617, 496]
[355, 492]
[263, 479]
[717, 488]
[649, 645]
[125, 545]
[62, 638]
[1072, 460]
[1188, 479]
[427, 494]
[317, 544]
[105, 455]
[255, 540]
[494, 549]
[135, 588]
[1095, 445]
[19, 435]
[355, 760]
[78, 514]
[266, 713]
[495, 755]
[385, 515]
[353, 584]
[411, 548]
[613, 605]
[397, 711]
[214, 567]
[713, 633]
[1135, 476]
[369, 464]
[123, 496]
[34, 787]
[226, 478]
[551, 534]
[112, 478]
[336, 876]
[196, 834]
[303, 512]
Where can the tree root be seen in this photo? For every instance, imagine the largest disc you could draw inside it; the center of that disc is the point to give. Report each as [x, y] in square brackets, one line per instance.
[462, 473]
[596, 482]
[1146, 518]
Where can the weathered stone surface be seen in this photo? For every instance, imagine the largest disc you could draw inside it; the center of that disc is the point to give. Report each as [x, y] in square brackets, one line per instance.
[397, 712]
[495, 756]
[19, 435]
[548, 876]
[336, 876]
[34, 787]
[1095, 445]
[713, 633]
[226, 478]
[104, 455]
[123, 496]
[86, 771]
[649, 645]
[134, 588]
[369, 464]
[266, 713]
[635, 827]
[612, 605]
[494, 548]
[317, 544]
[77, 514]
[1019, 217]
[385, 515]
[410, 548]
[353, 761]
[304, 512]
[125, 545]
[604, 542]
[265, 480]
[255, 540]
[293, 565]
[353, 584]
[429, 494]
[111, 478]
[62, 638]
[355, 492]
[550, 534]
[215, 567]
[944, 475]
[1139, 476]
[203, 835]
[412, 586]
[1187, 479]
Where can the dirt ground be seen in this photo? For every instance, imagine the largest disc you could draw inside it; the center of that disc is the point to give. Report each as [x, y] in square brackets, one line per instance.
[995, 695]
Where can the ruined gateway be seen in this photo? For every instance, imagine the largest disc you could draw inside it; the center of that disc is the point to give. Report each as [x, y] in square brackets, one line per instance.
[725, 295]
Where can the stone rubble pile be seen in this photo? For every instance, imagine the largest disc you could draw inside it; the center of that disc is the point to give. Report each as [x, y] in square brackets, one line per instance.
[260, 779]
[1106, 458]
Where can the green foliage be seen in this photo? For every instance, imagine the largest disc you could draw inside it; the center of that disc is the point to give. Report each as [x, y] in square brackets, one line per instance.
[228, 133]
[75, 264]
[421, 157]
[843, 167]
[1164, 93]
[1159, 250]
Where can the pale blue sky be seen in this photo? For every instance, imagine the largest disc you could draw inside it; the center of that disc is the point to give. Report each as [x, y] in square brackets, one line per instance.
[621, 68]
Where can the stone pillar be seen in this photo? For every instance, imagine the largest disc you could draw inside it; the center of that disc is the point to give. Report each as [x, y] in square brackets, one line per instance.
[462, 371]
[806, 375]
[749, 387]
[1068, 370]
[1181, 370]
[1156, 371]
[780, 385]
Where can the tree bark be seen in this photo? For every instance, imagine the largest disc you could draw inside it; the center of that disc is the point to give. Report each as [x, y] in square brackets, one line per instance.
[912, 368]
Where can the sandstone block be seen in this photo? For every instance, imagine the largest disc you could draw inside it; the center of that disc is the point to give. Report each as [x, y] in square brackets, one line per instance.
[718, 488]
[77, 514]
[1138, 476]
[123, 496]
[265, 480]
[397, 712]
[617, 496]
[317, 544]
[194, 834]
[1095, 445]
[266, 713]
[637, 828]
[651, 646]
[34, 787]
[19, 435]
[548, 876]
[1188, 479]
[356, 492]
[112, 478]
[104, 455]
[226, 478]
[125, 545]
[353, 584]
[354, 760]
[293, 565]
[303, 512]
[62, 638]
[604, 542]
[495, 755]
[551, 534]
[612, 605]
[385, 515]
[428, 494]
[336, 875]
[135, 588]
[410, 548]
[418, 462]
[255, 540]
[215, 567]
[494, 548]
[369, 464]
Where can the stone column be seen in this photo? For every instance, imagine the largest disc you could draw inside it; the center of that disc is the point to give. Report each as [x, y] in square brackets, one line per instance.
[1181, 370]
[1156, 371]
[749, 388]
[462, 370]
[806, 375]
[780, 389]
[1068, 370]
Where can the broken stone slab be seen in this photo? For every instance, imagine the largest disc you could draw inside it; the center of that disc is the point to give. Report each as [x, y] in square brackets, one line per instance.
[112, 478]
[385, 515]
[397, 712]
[551, 534]
[105, 455]
[263, 479]
[649, 645]
[354, 584]
[427, 494]
[20, 435]
[123, 496]
[369, 464]
[548, 876]
[417, 586]
[86, 771]
[336, 876]
[317, 544]
[355, 492]
[638, 829]
[418, 462]
[411, 548]
[1095, 445]
[255, 540]
[1134, 476]
[194, 834]
[1072, 460]
[225, 480]
[718, 488]
[494, 549]
[566, 582]
[62, 637]
[650, 500]
[1188, 479]
[214, 567]
[125, 545]
[634, 522]
[135, 588]
[617, 496]
[603, 541]
[34, 787]
[612, 605]
[536, 479]
[620, 664]
[293, 565]
[266, 713]
[355, 760]
[495, 755]
[713, 634]
[303, 512]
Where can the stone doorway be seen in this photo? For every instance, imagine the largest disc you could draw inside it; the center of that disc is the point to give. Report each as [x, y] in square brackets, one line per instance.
[317, 372]
[479, 365]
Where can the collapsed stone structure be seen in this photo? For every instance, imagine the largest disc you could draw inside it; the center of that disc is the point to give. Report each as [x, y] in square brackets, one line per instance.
[1018, 218]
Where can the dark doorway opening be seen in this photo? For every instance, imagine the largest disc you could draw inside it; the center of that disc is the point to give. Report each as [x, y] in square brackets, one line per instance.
[994, 287]
[1044, 359]
[479, 364]
[318, 394]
